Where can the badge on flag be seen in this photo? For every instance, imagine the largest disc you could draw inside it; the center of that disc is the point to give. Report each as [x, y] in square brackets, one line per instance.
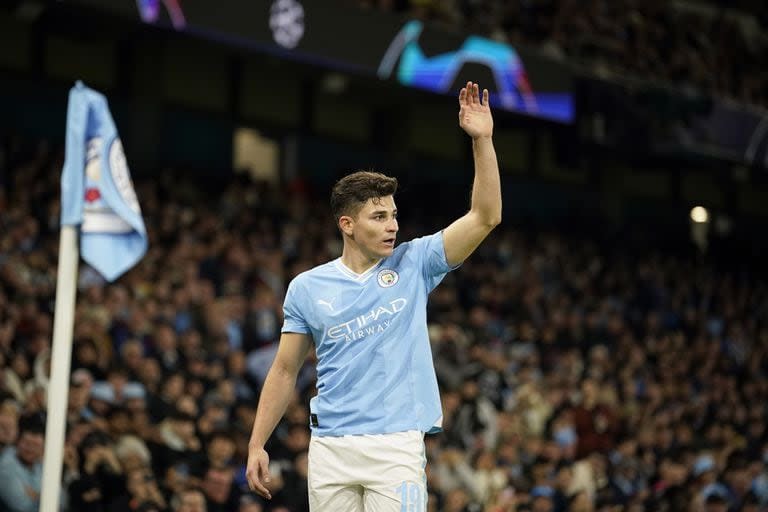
[96, 188]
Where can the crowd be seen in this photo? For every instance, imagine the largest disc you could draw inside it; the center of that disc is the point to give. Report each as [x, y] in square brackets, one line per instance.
[575, 376]
[698, 46]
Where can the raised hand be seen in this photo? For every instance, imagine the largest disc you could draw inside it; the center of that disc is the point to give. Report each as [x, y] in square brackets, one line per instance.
[475, 113]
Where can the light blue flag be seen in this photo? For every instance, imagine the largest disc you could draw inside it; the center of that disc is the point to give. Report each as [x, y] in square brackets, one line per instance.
[96, 188]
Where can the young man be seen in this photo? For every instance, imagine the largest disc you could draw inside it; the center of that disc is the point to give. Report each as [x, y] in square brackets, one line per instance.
[366, 314]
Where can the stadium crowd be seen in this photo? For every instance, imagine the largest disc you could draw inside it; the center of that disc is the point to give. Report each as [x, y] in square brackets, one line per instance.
[700, 46]
[576, 376]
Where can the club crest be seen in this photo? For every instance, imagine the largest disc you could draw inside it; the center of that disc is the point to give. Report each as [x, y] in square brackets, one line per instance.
[387, 277]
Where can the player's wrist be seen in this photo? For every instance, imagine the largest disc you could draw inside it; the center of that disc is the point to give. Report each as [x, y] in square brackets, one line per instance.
[255, 444]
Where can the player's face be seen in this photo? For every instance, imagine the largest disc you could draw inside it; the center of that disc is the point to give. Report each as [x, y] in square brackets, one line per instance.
[375, 227]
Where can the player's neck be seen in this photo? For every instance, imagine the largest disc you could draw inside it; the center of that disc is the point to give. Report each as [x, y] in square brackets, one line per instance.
[356, 261]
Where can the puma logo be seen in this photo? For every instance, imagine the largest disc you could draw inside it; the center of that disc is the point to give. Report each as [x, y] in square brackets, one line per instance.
[326, 303]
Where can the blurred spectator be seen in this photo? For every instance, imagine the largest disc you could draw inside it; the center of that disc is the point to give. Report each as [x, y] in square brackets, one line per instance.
[221, 495]
[175, 442]
[296, 484]
[594, 420]
[132, 452]
[21, 467]
[164, 401]
[81, 384]
[542, 499]
[9, 423]
[189, 500]
[220, 452]
[100, 483]
[143, 493]
[250, 504]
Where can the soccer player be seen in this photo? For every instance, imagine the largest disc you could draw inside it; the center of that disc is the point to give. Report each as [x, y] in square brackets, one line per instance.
[365, 312]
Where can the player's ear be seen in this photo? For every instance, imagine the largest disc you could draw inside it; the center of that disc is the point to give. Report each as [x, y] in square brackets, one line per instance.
[346, 223]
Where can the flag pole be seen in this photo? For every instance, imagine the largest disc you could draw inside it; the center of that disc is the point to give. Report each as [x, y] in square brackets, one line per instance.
[61, 353]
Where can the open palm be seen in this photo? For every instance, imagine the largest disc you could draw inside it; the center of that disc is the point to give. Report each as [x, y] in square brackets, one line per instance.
[475, 114]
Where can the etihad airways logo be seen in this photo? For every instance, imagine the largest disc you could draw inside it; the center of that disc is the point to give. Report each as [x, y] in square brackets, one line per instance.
[377, 320]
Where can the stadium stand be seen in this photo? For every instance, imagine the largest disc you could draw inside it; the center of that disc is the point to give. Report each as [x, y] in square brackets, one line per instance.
[575, 375]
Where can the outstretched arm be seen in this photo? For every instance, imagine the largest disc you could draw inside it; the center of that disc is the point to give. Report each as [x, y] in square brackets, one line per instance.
[291, 353]
[463, 236]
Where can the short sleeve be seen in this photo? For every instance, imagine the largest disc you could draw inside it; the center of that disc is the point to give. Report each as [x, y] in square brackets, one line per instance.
[293, 305]
[433, 260]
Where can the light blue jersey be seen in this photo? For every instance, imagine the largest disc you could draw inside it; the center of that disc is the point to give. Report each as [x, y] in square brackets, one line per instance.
[374, 372]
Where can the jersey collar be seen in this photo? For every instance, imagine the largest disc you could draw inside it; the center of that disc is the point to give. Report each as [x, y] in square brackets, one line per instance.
[361, 278]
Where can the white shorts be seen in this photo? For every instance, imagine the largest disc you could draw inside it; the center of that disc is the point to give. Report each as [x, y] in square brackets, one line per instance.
[370, 473]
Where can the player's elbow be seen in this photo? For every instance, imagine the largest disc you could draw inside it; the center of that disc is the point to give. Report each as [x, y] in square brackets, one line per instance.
[486, 220]
[491, 221]
[486, 216]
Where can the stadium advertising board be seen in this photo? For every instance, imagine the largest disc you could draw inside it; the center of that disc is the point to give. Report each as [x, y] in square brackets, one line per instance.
[342, 37]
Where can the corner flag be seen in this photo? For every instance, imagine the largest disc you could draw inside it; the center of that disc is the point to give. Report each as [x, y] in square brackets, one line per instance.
[97, 195]
[96, 188]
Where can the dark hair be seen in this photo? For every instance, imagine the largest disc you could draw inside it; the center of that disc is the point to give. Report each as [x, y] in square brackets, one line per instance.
[177, 415]
[116, 410]
[148, 506]
[715, 499]
[95, 438]
[32, 423]
[351, 192]
[220, 433]
[92, 439]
